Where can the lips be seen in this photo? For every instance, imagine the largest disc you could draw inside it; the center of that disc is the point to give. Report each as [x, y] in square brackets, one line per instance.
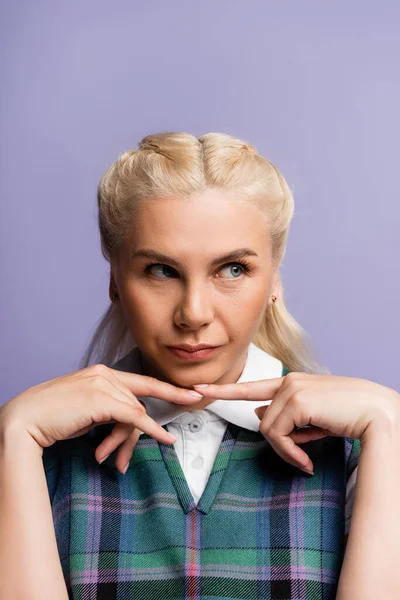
[189, 348]
[192, 355]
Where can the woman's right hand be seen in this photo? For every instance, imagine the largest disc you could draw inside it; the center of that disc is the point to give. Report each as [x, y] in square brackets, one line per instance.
[71, 405]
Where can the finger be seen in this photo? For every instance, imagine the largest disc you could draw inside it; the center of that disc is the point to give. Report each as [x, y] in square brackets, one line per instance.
[260, 411]
[124, 437]
[301, 435]
[291, 453]
[118, 383]
[142, 385]
[276, 406]
[124, 390]
[126, 449]
[286, 448]
[119, 392]
[102, 379]
[111, 408]
[278, 434]
[264, 389]
[307, 434]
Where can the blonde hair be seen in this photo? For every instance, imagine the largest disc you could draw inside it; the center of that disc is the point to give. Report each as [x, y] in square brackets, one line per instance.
[180, 164]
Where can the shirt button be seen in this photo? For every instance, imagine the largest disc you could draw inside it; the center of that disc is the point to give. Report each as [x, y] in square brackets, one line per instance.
[195, 425]
[197, 462]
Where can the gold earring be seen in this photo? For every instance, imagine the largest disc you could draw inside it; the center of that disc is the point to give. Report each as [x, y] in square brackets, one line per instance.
[274, 298]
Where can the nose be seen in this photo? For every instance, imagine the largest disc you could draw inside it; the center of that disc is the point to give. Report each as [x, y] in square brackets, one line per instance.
[195, 308]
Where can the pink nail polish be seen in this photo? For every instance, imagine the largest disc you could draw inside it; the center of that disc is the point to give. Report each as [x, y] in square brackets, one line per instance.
[104, 458]
[307, 471]
[194, 394]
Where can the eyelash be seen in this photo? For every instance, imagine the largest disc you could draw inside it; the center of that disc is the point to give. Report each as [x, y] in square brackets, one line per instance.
[247, 267]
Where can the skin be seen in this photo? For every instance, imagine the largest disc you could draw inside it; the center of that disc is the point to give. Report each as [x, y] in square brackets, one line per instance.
[354, 408]
[195, 302]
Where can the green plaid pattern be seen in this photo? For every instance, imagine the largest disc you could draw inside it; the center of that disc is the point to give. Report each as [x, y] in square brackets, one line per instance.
[261, 530]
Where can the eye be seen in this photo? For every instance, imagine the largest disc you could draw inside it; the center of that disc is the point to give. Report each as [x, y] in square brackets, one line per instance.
[149, 268]
[237, 268]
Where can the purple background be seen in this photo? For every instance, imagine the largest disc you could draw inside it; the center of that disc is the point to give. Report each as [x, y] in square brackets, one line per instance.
[314, 86]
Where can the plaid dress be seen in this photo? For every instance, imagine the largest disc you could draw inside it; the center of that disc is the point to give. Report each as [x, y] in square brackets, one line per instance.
[262, 528]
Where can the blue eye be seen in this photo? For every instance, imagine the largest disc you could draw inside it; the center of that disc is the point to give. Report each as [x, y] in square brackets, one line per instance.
[242, 265]
[235, 266]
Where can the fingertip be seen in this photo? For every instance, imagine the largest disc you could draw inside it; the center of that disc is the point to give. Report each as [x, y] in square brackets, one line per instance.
[194, 394]
[308, 471]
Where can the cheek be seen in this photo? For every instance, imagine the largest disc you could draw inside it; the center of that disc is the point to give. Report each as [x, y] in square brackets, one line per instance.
[144, 311]
[253, 308]
[242, 315]
[149, 311]
[251, 302]
[259, 301]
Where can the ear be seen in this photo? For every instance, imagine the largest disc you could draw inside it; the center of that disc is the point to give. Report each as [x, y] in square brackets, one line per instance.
[113, 273]
[276, 283]
[112, 288]
[112, 280]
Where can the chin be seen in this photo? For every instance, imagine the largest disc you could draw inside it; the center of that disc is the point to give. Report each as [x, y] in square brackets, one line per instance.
[188, 380]
[184, 375]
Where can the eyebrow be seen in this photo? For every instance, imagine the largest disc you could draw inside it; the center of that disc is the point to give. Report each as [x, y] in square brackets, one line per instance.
[231, 256]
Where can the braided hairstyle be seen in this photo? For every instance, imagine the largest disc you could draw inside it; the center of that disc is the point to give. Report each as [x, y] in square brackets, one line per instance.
[179, 164]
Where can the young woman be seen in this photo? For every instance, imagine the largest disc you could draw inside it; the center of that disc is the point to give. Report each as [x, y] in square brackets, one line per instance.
[252, 496]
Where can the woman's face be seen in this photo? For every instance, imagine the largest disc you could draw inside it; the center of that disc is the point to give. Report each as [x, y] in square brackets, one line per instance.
[176, 287]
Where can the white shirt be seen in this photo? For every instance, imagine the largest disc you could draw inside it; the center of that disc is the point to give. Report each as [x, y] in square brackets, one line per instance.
[199, 432]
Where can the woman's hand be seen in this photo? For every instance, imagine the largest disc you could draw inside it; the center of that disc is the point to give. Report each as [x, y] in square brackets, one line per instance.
[323, 404]
[71, 405]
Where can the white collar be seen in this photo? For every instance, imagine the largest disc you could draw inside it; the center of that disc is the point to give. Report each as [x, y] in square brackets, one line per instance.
[259, 365]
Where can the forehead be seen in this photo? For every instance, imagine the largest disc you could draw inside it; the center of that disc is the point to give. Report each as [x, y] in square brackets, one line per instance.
[214, 219]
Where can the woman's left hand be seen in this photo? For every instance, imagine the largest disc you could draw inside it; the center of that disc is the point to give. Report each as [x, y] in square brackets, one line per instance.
[323, 404]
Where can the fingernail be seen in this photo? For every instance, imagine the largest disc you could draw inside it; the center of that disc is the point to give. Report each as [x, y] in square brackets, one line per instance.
[201, 385]
[172, 438]
[309, 471]
[104, 458]
[124, 470]
[194, 394]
